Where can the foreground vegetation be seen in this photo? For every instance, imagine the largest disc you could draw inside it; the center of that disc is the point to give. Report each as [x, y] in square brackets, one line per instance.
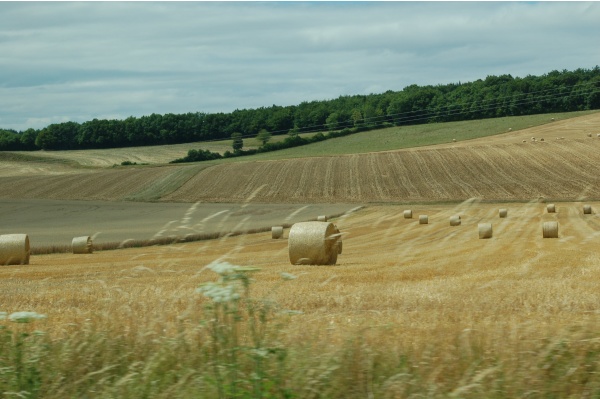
[236, 348]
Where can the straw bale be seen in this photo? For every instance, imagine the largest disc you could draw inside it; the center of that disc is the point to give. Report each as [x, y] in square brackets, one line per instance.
[321, 218]
[551, 208]
[82, 245]
[276, 232]
[423, 219]
[503, 212]
[14, 249]
[408, 214]
[587, 209]
[313, 243]
[455, 220]
[550, 229]
[485, 230]
[589, 135]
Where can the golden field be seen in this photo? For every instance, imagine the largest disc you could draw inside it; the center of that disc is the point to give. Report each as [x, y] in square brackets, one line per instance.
[409, 310]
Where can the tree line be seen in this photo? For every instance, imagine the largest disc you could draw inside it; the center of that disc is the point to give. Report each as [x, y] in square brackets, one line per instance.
[494, 96]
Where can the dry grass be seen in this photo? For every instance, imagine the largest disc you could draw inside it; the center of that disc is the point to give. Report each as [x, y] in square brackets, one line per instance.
[513, 313]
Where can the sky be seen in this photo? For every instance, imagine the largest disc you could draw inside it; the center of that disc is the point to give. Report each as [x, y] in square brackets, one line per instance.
[76, 61]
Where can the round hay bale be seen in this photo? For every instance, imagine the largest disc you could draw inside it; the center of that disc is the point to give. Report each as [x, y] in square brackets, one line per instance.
[14, 249]
[510, 129]
[587, 209]
[552, 119]
[276, 232]
[503, 212]
[423, 219]
[524, 141]
[455, 220]
[598, 135]
[82, 245]
[454, 140]
[589, 135]
[322, 218]
[313, 243]
[551, 208]
[408, 214]
[542, 139]
[550, 229]
[485, 230]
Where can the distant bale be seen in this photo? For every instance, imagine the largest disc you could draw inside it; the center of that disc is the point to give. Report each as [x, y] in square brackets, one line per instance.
[551, 208]
[454, 140]
[82, 245]
[550, 229]
[485, 230]
[587, 209]
[321, 218]
[552, 119]
[408, 214]
[14, 249]
[313, 243]
[598, 135]
[503, 212]
[510, 129]
[455, 220]
[423, 219]
[542, 139]
[589, 135]
[276, 232]
[524, 141]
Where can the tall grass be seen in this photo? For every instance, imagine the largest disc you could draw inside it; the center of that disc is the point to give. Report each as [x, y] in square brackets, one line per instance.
[239, 347]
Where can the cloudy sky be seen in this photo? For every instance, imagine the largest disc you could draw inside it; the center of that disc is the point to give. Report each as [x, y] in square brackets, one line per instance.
[62, 61]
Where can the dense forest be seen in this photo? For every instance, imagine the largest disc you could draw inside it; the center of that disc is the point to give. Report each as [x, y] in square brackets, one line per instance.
[495, 96]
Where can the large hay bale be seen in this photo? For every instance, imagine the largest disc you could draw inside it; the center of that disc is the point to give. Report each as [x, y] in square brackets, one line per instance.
[313, 243]
[485, 230]
[551, 208]
[408, 214]
[321, 218]
[503, 212]
[455, 220]
[82, 245]
[276, 232]
[14, 249]
[550, 229]
[587, 209]
[423, 219]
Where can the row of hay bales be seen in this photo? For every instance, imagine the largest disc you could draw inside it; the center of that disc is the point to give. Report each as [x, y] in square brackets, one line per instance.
[15, 249]
[312, 243]
[485, 230]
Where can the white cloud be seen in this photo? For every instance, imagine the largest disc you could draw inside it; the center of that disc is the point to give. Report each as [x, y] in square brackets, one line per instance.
[84, 60]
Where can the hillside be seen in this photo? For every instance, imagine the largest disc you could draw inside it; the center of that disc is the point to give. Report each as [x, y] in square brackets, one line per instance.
[500, 167]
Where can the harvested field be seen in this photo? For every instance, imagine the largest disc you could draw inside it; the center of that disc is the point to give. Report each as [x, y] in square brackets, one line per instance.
[564, 170]
[409, 283]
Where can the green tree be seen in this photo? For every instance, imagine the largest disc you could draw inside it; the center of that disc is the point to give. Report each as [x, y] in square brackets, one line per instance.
[263, 136]
[332, 121]
[238, 142]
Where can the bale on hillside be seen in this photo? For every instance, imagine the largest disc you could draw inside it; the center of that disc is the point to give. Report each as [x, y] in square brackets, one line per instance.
[589, 135]
[408, 214]
[276, 232]
[82, 245]
[550, 229]
[455, 220]
[587, 209]
[423, 219]
[503, 212]
[322, 218]
[485, 230]
[551, 208]
[313, 243]
[14, 249]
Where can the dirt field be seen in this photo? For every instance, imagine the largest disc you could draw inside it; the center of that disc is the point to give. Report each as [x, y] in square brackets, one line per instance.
[53, 222]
